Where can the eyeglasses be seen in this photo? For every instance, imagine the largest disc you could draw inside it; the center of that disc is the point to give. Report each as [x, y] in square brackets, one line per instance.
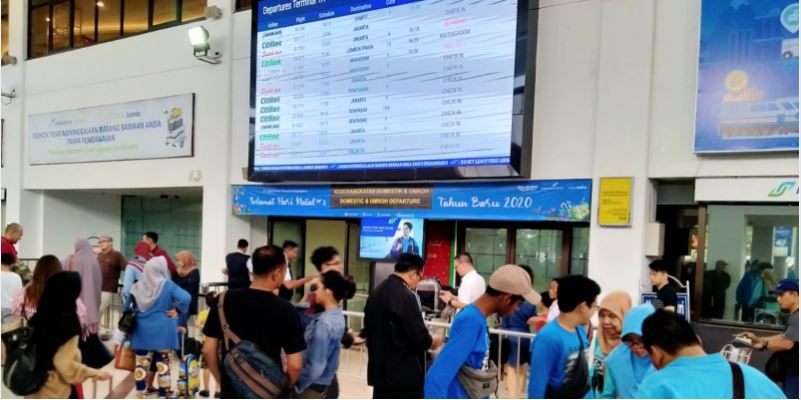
[634, 344]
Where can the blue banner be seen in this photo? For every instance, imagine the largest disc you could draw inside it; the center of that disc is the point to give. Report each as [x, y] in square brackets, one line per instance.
[747, 77]
[551, 200]
[682, 306]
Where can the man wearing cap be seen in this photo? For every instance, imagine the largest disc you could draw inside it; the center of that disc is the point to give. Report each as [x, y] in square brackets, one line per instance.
[468, 344]
[786, 344]
[111, 264]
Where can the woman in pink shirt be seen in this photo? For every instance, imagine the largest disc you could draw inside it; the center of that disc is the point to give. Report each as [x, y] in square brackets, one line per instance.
[27, 299]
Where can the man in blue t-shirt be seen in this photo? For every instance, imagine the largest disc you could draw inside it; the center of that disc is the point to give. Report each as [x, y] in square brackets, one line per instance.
[558, 353]
[685, 371]
[468, 343]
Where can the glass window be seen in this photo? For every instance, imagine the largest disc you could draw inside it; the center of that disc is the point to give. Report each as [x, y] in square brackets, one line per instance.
[40, 31]
[108, 19]
[193, 9]
[487, 246]
[359, 269]
[579, 251]
[135, 17]
[61, 25]
[540, 249]
[4, 32]
[243, 5]
[84, 27]
[165, 11]
[749, 249]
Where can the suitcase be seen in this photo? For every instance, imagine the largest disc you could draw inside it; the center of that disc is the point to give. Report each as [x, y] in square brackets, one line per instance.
[189, 368]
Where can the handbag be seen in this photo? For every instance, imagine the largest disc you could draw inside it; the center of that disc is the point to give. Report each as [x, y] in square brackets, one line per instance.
[576, 382]
[479, 383]
[94, 353]
[127, 321]
[125, 359]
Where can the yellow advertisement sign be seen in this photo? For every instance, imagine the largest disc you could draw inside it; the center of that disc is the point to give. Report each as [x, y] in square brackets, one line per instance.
[614, 202]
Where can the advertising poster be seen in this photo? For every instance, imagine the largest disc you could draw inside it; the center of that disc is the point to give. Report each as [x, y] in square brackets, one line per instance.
[388, 238]
[747, 97]
[156, 128]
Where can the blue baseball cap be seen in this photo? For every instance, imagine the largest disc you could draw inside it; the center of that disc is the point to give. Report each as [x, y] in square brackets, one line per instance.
[786, 285]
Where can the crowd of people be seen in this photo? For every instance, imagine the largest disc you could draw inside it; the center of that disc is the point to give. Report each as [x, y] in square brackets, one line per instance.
[257, 342]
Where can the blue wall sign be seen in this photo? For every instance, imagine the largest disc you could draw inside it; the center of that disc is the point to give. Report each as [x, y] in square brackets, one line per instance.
[682, 307]
[747, 77]
[552, 200]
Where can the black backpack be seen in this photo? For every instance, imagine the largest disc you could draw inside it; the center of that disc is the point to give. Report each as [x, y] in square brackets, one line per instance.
[19, 372]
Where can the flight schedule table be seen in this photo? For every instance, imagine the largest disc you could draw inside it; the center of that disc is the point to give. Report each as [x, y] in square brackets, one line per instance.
[384, 84]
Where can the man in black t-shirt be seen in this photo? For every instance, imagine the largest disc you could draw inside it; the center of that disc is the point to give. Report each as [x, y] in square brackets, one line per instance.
[666, 296]
[236, 266]
[257, 315]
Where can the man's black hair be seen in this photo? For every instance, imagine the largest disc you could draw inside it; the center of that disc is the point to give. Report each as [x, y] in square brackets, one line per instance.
[657, 266]
[153, 236]
[8, 259]
[409, 224]
[464, 254]
[323, 254]
[267, 259]
[668, 330]
[574, 290]
[529, 271]
[289, 244]
[242, 243]
[407, 262]
[338, 284]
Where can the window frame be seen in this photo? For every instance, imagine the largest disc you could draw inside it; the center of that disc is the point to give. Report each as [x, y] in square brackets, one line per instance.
[700, 264]
[71, 45]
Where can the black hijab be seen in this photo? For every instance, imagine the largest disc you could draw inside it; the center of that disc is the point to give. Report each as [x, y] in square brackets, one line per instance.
[56, 320]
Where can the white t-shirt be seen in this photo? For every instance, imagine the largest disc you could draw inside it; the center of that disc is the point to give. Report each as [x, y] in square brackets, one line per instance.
[473, 286]
[553, 311]
[288, 275]
[11, 284]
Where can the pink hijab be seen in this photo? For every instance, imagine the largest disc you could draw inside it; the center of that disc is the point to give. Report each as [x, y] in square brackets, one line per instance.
[84, 262]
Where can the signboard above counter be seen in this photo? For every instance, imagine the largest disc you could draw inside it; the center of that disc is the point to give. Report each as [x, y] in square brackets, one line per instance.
[547, 200]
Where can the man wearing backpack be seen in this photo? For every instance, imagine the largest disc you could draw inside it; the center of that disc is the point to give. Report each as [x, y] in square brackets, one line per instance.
[685, 371]
[262, 321]
[559, 352]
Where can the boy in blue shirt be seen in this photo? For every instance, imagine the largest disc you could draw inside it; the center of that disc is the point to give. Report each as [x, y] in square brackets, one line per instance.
[684, 370]
[322, 335]
[468, 343]
[558, 353]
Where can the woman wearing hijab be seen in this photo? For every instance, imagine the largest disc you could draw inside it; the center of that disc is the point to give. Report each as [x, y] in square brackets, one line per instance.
[611, 313]
[188, 279]
[57, 333]
[156, 300]
[135, 268]
[628, 365]
[84, 262]
[27, 300]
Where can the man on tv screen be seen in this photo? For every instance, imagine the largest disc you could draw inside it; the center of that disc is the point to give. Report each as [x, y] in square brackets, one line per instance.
[405, 243]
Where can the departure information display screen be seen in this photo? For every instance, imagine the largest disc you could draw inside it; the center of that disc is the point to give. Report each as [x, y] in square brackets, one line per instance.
[383, 84]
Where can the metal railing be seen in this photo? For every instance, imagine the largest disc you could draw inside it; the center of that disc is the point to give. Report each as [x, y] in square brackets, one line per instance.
[346, 363]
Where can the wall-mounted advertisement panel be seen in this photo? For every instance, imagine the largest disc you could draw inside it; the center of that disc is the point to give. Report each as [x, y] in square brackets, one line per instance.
[550, 200]
[147, 129]
[747, 77]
